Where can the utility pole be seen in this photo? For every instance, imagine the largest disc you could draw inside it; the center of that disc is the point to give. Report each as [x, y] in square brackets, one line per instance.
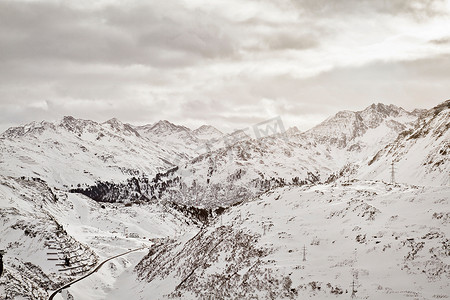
[304, 253]
[354, 284]
[392, 173]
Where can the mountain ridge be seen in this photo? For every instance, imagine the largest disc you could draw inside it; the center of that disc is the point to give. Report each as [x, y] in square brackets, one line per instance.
[236, 163]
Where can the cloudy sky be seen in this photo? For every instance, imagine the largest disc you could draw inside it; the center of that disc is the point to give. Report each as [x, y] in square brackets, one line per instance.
[229, 63]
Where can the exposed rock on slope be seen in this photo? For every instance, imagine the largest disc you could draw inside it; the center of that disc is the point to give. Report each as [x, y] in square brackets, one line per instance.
[362, 130]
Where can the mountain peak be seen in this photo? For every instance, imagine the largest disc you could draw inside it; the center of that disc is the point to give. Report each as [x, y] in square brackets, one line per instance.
[118, 126]
[68, 119]
[30, 128]
[207, 132]
[205, 128]
[339, 129]
[344, 114]
[386, 109]
[418, 111]
[346, 125]
[74, 125]
[113, 121]
[164, 126]
[162, 123]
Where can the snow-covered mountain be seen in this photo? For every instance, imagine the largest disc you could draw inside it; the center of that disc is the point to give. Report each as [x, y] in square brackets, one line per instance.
[109, 151]
[363, 130]
[164, 128]
[233, 170]
[74, 151]
[208, 132]
[420, 154]
[166, 131]
[249, 167]
[87, 190]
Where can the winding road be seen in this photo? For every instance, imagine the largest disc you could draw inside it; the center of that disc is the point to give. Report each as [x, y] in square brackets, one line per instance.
[90, 273]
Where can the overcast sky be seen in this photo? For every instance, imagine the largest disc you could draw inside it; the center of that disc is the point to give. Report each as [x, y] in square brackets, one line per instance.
[229, 63]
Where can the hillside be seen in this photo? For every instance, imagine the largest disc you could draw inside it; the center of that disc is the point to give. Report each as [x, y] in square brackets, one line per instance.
[41, 226]
[382, 236]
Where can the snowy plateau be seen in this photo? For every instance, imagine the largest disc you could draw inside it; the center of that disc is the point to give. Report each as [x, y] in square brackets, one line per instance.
[357, 207]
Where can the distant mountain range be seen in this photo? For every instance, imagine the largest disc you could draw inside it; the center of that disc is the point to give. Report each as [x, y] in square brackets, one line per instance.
[202, 166]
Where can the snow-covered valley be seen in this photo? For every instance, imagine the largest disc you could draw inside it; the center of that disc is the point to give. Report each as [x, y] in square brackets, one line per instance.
[44, 226]
[228, 216]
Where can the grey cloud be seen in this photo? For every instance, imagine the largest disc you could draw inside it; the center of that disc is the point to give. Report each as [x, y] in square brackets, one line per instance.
[292, 35]
[140, 34]
[285, 40]
[415, 8]
[174, 27]
[441, 41]
[412, 84]
[292, 41]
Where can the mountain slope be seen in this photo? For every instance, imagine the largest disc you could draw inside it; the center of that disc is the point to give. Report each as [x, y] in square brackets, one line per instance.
[249, 167]
[75, 151]
[41, 226]
[421, 154]
[110, 151]
[227, 175]
[384, 237]
[363, 131]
